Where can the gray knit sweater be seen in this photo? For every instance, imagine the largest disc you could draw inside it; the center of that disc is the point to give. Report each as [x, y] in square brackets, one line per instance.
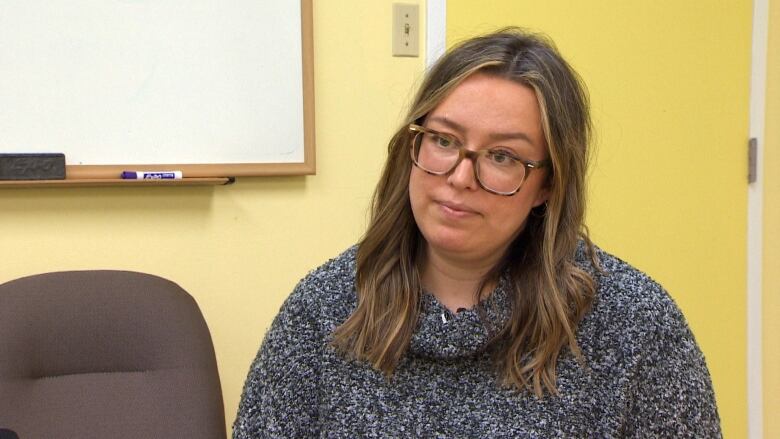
[644, 375]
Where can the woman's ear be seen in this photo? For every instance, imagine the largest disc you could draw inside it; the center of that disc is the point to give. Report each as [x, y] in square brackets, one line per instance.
[542, 196]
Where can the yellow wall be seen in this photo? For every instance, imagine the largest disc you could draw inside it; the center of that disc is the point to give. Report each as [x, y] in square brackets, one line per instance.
[238, 249]
[771, 297]
[669, 83]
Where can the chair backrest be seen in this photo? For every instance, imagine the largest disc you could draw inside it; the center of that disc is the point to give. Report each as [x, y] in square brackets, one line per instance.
[106, 354]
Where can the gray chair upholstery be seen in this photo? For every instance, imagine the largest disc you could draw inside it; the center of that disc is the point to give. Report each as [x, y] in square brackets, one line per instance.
[106, 354]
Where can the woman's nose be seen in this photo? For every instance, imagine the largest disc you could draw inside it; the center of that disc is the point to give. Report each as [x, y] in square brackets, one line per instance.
[463, 176]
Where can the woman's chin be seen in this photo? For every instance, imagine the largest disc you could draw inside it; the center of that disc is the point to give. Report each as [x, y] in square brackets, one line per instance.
[450, 244]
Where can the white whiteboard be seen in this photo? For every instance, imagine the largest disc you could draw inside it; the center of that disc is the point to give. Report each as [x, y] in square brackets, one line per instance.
[132, 82]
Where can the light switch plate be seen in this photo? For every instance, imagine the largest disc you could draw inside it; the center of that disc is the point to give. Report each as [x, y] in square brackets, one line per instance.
[406, 29]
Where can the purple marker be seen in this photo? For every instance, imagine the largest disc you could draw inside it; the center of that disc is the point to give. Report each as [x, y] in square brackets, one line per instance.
[151, 175]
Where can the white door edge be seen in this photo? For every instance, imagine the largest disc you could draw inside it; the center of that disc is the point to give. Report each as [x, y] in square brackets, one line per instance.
[755, 221]
[436, 30]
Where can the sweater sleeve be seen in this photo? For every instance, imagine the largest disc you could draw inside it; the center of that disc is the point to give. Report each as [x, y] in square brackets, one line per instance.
[280, 393]
[672, 391]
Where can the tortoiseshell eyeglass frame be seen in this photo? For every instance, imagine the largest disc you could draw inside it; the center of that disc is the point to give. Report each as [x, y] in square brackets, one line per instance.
[529, 165]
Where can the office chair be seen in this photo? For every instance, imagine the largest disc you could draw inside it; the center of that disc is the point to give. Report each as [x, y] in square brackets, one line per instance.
[106, 354]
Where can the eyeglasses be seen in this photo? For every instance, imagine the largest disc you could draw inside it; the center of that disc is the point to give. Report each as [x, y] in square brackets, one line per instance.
[498, 171]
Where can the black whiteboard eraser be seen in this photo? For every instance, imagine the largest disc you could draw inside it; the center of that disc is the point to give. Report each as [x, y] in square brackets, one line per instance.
[32, 166]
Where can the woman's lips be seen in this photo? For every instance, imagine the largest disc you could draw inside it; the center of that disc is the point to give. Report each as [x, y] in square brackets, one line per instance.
[456, 210]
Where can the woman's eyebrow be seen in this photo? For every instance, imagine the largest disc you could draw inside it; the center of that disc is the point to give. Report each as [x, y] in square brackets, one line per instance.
[450, 124]
[494, 136]
[510, 136]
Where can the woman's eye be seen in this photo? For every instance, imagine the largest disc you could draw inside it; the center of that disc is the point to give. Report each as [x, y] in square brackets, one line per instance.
[501, 158]
[443, 142]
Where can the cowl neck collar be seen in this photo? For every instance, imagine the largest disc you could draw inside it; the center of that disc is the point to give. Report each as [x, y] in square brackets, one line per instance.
[442, 335]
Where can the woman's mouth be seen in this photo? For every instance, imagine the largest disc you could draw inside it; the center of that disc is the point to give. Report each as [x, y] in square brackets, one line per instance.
[456, 210]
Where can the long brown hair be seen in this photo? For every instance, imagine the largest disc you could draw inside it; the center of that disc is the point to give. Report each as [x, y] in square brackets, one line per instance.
[550, 293]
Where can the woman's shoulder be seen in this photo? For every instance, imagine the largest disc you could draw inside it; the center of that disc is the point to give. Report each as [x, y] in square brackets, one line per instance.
[633, 321]
[627, 296]
[328, 291]
[334, 273]
[636, 333]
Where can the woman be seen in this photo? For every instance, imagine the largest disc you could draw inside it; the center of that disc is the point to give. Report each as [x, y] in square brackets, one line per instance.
[475, 305]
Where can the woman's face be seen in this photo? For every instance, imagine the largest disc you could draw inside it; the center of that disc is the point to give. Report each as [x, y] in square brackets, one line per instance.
[457, 218]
